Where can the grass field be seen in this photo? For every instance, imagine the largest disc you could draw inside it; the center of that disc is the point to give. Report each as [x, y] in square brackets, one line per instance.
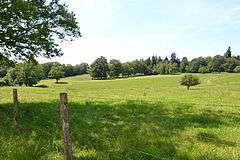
[137, 118]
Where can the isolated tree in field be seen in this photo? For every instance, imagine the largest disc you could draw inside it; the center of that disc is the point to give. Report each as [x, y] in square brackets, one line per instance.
[228, 54]
[189, 80]
[35, 28]
[56, 72]
[99, 68]
[47, 67]
[115, 68]
[237, 69]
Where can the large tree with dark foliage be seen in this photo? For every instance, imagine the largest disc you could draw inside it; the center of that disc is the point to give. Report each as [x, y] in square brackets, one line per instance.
[115, 68]
[28, 73]
[35, 27]
[99, 68]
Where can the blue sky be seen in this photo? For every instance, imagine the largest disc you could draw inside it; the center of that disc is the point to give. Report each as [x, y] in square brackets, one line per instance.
[133, 29]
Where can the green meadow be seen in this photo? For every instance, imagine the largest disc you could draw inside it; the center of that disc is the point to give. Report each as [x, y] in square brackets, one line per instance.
[141, 118]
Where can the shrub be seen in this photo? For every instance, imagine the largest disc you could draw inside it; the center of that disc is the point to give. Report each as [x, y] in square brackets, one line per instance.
[189, 80]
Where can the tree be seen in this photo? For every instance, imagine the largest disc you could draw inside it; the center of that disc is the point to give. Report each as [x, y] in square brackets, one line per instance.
[172, 68]
[115, 68]
[56, 72]
[34, 28]
[99, 68]
[189, 80]
[203, 69]
[228, 54]
[28, 73]
[237, 69]
[12, 74]
[173, 57]
[139, 67]
[196, 63]
[230, 64]
[216, 64]
[80, 69]
[47, 67]
[161, 68]
[127, 69]
[183, 65]
[3, 71]
[68, 70]
[165, 59]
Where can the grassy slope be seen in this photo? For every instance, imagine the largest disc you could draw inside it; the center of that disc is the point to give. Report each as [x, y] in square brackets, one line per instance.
[139, 118]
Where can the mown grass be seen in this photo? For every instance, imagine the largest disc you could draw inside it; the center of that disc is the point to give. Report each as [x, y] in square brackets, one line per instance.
[137, 118]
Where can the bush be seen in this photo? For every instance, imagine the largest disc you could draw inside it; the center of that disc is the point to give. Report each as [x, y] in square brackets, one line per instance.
[189, 80]
[237, 69]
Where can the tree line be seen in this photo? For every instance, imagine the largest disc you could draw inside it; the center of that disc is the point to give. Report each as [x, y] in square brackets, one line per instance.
[30, 72]
[102, 69]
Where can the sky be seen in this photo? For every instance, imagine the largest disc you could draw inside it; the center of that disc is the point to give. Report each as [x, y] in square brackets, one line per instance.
[132, 29]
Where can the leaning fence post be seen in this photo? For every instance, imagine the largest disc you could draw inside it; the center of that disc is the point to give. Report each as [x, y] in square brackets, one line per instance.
[65, 126]
[15, 107]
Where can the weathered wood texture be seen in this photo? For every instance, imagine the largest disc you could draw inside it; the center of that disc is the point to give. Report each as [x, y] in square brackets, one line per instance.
[65, 126]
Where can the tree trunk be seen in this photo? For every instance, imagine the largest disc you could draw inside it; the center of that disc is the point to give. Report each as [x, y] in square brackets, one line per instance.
[188, 87]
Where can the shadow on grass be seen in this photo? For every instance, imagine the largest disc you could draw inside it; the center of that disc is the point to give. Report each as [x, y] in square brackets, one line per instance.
[127, 130]
[211, 138]
[61, 82]
[41, 86]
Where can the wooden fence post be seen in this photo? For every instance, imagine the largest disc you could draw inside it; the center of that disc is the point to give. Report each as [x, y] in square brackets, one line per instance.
[15, 107]
[65, 126]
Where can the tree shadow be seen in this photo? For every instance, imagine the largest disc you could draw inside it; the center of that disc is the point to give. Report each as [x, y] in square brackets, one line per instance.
[106, 130]
[211, 138]
[41, 86]
[61, 82]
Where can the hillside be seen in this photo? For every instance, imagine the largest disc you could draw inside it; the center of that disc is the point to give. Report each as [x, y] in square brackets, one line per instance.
[150, 117]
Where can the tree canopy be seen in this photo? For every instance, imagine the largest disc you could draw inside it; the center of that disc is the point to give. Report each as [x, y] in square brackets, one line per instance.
[189, 80]
[56, 72]
[100, 68]
[35, 28]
